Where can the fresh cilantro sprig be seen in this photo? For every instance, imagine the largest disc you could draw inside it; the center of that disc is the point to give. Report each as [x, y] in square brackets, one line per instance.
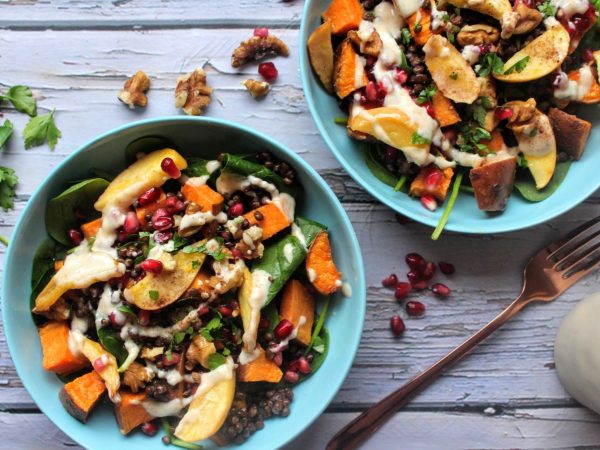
[41, 129]
[8, 182]
[216, 360]
[22, 99]
[491, 63]
[217, 254]
[6, 131]
[417, 139]
[426, 94]
[519, 66]
[207, 330]
[472, 137]
[547, 9]
[405, 36]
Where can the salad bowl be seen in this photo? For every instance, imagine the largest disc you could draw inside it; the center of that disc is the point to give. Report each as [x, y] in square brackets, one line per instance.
[198, 137]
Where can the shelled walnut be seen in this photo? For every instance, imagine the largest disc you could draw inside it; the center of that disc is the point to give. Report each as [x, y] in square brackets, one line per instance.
[257, 88]
[134, 91]
[192, 94]
[257, 48]
[136, 376]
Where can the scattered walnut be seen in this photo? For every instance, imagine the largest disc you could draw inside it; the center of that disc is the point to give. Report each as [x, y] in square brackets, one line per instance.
[59, 311]
[192, 94]
[257, 48]
[529, 19]
[479, 34]
[152, 353]
[134, 91]
[136, 376]
[257, 88]
[370, 47]
[509, 23]
[523, 112]
[199, 351]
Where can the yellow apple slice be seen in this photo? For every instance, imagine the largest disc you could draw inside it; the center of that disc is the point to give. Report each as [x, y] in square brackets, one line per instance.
[493, 8]
[452, 74]
[93, 351]
[542, 167]
[540, 57]
[157, 291]
[244, 299]
[210, 405]
[142, 175]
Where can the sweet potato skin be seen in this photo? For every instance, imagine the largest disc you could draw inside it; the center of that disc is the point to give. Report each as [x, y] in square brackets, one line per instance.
[129, 412]
[204, 196]
[493, 183]
[320, 52]
[273, 221]
[321, 269]
[344, 72]
[344, 15]
[420, 187]
[261, 369]
[57, 357]
[297, 301]
[570, 131]
[80, 396]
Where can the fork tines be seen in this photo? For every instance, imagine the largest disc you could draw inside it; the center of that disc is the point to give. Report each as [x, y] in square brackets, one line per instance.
[580, 251]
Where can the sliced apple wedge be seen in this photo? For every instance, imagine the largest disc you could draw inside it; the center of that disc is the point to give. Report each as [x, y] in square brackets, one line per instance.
[244, 299]
[157, 291]
[493, 8]
[537, 59]
[542, 168]
[142, 175]
[210, 406]
[93, 351]
[452, 74]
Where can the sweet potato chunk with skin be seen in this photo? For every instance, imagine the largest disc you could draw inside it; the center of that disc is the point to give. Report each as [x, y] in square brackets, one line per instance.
[344, 15]
[420, 185]
[57, 357]
[261, 369]
[419, 25]
[444, 110]
[81, 395]
[570, 131]
[90, 229]
[345, 77]
[274, 220]
[320, 52]
[205, 197]
[129, 412]
[493, 182]
[321, 269]
[295, 303]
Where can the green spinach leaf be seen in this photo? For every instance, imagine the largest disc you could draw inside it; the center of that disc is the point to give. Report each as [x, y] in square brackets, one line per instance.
[526, 186]
[146, 144]
[377, 169]
[111, 342]
[309, 229]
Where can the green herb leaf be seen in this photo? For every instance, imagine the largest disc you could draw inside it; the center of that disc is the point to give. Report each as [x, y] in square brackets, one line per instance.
[129, 312]
[426, 94]
[479, 114]
[340, 120]
[491, 63]
[110, 341]
[405, 36]
[6, 131]
[318, 345]
[318, 325]
[8, 182]
[486, 102]
[547, 9]
[217, 254]
[376, 168]
[404, 65]
[226, 351]
[449, 205]
[154, 295]
[195, 264]
[454, 76]
[41, 129]
[215, 360]
[179, 337]
[526, 185]
[519, 66]
[400, 184]
[417, 139]
[22, 99]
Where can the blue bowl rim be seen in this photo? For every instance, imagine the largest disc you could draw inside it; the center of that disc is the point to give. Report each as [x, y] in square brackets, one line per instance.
[307, 78]
[296, 160]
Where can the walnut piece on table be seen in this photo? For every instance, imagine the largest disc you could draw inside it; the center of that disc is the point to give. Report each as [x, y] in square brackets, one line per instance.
[136, 376]
[257, 88]
[192, 94]
[257, 48]
[134, 91]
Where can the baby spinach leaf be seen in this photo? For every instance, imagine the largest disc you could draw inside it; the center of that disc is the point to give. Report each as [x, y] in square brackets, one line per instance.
[43, 270]
[377, 169]
[275, 262]
[318, 356]
[272, 315]
[309, 229]
[526, 185]
[196, 167]
[318, 325]
[146, 144]
[61, 210]
[215, 360]
[111, 342]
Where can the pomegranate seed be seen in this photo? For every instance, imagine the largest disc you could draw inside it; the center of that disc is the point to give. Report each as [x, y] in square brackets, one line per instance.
[413, 276]
[371, 92]
[171, 169]
[371, 60]
[303, 365]
[75, 236]
[429, 271]
[433, 178]
[100, 363]
[236, 253]
[441, 289]
[451, 134]
[390, 281]
[588, 55]
[174, 205]
[268, 71]
[162, 237]
[397, 325]
[235, 210]
[503, 113]
[446, 268]
[381, 91]
[291, 376]
[429, 107]
[150, 196]
[419, 285]
[122, 236]
[283, 329]
[162, 223]
[429, 202]
[415, 308]
[203, 310]
[402, 290]
[144, 317]
[278, 358]
[416, 262]
[152, 265]
[262, 32]
[175, 357]
[149, 428]
[264, 323]
[401, 76]
[132, 223]
[225, 311]
[117, 319]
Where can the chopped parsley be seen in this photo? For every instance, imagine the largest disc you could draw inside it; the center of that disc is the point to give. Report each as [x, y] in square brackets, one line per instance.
[128, 312]
[519, 66]
[491, 63]
[454, 76]
[154, 295]
[405, 36]
[214, 325]
[215, 360]
[426, 94]
[547, 9]
[217, 253]
[195, 264]
[486, 102]
[417, 139]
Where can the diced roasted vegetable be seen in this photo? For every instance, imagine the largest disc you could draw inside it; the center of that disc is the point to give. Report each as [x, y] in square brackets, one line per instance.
[297, 302]
[260, 369]
[272, 222]
[344, 15]
[443, 110]
[82, 394]
[348, 73]
[90, 229]
[58, 358]
[419, 25]
[203, 196]
[493, 182]
[320, 267]
[427, 182]
[129, 412]
[570, 131]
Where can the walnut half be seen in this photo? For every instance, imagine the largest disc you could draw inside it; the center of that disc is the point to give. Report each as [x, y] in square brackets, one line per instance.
[479, 34]
[134, 91]
[257, 88]
[257, 48]
[192, 94]
[136, 376]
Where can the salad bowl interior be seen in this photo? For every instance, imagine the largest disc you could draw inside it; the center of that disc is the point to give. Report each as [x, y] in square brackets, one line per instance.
[200, 137]
[465, 217]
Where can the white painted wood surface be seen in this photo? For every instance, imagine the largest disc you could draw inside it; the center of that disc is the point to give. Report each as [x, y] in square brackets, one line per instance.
[76, 54]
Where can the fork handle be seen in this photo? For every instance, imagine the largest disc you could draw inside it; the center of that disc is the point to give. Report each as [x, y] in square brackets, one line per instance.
[363, 426]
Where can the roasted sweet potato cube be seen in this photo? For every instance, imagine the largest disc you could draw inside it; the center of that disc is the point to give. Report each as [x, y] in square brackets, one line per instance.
[129, 412]
[81, 395]
[422, 184]
[493, 182]
[261, 369]
[570, 131]
[57, 357]
[90, 229]
[205, 197]
[297, 302]
[273, 220]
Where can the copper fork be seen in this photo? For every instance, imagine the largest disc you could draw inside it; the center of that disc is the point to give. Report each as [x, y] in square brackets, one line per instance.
[547, 275]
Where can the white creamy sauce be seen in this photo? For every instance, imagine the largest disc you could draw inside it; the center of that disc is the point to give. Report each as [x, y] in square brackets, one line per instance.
[76, 336]
[536, 138]
[551, 22]
[199, 219]
[388, 24]
[156, 331]
[576, 352]
[283, 344]
[227, 183]
[347, 289]
[172, 376]
[212, 166]
[298, 234]
[108, 304]
[83, 268]
[166, 409]
[471, 53]
[359, 70]
[438, 18]
[467, 159]
[312, 275]
[407, 8]
[571, 7]
[230, 275]
[287, 204]
[575, 90]
[288, 252]
[197, 181]
[261, 282]
[210, 379]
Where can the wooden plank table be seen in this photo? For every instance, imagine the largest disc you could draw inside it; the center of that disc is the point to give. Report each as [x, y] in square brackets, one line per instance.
[76, 54]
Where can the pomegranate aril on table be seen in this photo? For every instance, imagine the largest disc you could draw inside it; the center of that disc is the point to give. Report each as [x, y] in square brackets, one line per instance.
[440, 289]
[268, 71]
[397, 325]
[415, 261]
[390, 281]
[414, 308]
[402, 290]
[446, 268]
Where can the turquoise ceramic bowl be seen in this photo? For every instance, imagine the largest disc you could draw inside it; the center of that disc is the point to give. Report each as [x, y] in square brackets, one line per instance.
[582, 180]
[194, 137]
